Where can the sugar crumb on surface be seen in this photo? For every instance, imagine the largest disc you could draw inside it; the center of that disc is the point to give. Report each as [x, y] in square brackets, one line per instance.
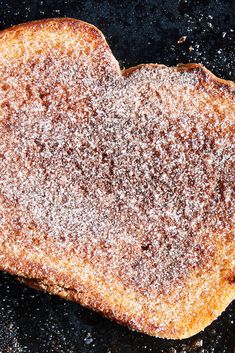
[134, 174]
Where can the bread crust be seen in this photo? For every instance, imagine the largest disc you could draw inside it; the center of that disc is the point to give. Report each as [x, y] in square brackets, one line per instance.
[206, 291]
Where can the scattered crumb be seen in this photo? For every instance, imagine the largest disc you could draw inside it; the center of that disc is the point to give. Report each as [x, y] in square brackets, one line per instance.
[182, 39]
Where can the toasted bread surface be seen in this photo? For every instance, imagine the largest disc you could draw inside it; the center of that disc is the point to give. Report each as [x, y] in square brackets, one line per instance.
[117, 187]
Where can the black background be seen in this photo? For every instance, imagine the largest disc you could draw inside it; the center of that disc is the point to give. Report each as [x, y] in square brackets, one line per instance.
[137, 32]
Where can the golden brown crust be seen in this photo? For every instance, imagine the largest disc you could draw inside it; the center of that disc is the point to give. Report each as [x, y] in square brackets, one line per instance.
[207, 290]
[204, 297]
[186, 67]
[53, 24]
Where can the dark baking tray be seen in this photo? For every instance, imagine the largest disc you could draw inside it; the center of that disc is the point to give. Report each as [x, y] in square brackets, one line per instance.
[137, 31]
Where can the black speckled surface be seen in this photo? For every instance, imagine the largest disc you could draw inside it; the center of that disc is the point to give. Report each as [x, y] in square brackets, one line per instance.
[137, 32]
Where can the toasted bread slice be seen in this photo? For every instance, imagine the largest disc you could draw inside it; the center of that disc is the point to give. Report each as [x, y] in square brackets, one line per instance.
[116, 188]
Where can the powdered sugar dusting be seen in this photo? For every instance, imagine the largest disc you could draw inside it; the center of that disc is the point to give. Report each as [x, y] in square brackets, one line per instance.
[135, 174]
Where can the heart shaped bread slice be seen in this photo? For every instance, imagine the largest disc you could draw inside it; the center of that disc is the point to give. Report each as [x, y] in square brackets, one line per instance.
[116, 187]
